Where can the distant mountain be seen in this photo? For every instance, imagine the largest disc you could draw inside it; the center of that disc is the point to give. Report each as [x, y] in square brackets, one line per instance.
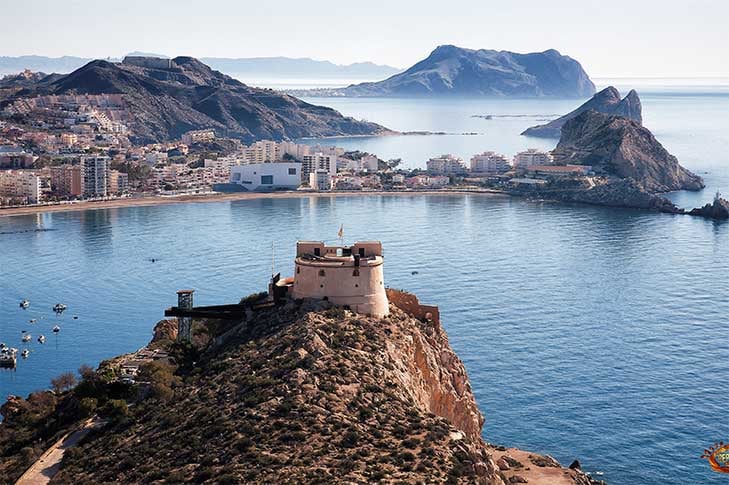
[284, 67]
[167, 99]
[621, 148]
[451, 70]
[256, 67]
[606, 101]
[65, 64]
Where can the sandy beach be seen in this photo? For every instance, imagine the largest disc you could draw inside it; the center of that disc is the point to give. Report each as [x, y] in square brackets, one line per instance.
[220, 197]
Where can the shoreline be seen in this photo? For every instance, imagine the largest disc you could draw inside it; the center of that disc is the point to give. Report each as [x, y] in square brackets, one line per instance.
[223, 197]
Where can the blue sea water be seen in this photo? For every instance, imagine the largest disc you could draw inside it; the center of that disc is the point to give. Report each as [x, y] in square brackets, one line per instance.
[587, 332]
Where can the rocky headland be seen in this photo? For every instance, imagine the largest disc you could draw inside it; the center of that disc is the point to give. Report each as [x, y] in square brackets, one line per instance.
[606, 101]
[455, 71]
[299, 393]
[629, 167]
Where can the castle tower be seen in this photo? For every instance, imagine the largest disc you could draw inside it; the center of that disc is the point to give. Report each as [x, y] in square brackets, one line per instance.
[184, 324]
[351, 276]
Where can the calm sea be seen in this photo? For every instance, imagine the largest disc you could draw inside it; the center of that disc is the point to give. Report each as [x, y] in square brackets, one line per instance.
[587, 332]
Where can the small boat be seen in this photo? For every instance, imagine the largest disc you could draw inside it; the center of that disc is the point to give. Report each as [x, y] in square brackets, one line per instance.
[599, 474]
[413, 272]
[32, 320]
[24, 304]
[27, 337]
[25, 353]
[41, 339]
[75, 317]
[56, 329]
[59, 308]
[8, 357]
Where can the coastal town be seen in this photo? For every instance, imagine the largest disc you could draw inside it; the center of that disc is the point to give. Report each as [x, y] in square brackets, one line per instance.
[58, 150]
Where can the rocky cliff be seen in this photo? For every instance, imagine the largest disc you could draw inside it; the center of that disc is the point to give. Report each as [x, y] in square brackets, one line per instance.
[303, 394]
[165, 102]
[606, 101]
[621, 148]
[455, 71]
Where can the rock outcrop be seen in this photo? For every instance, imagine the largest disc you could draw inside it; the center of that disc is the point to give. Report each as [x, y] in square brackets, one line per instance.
[621, 148]
[718, 210]
[305, 394]
[166, 101]
[455, 71]
[606, 101]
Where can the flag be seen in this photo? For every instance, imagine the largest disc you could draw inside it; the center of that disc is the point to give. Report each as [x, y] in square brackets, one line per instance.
[340, 233]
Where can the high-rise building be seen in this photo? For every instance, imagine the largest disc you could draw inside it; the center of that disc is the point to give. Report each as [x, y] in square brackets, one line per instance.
[21, 184]
[318, 161]
[118, 182]
[532, 156]
[489, 162]
[67, 180]
[320, 180]
[96, 176]
[446, 164]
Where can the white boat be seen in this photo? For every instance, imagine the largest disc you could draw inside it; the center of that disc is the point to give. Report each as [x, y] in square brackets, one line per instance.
[59, 308]
[8, 357]
[32, 320]
[27, 337]
[56, 329]
[25, 353]
[41, 339]
[24, 304]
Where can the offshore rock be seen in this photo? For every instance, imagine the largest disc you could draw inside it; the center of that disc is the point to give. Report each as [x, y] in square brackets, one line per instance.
[606, 101]
[455, 71]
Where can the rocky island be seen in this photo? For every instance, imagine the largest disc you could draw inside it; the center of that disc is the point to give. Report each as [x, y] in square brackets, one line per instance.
[160, 99]
[455, 71]
[606, 101]
[292, 391]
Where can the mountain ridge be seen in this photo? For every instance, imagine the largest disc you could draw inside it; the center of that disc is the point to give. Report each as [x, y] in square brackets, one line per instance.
[167, 100]
[246, 66]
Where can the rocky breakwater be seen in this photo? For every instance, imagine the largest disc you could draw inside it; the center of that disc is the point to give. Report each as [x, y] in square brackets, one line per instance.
[718, 210]
[300, 393]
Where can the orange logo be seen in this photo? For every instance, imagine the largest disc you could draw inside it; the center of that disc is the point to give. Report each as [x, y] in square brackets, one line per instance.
[718, 456]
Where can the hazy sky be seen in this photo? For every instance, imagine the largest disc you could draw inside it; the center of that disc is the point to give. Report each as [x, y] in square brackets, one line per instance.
[648, 38]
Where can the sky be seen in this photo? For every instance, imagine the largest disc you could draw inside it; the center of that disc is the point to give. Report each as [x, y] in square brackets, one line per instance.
[616, 38]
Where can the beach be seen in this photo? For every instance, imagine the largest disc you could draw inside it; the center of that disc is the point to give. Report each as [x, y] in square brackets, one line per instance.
[220, 197]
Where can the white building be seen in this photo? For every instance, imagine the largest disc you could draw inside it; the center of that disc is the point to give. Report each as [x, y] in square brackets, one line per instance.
[446, 164]
[20, 184]
[95, 172]
[262, 151]
[532, 156]
[318, 161]
[267, 176]
[489, 162]
[197, 136]
[320, 180]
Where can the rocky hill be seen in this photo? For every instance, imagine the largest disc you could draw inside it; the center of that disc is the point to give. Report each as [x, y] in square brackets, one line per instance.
[606, 101]
[166, 101]
[621, 148]
[451, 70]
[301, 394]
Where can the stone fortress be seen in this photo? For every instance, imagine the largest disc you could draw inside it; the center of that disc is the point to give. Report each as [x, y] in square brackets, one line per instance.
[347, 276]
[350, 277]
